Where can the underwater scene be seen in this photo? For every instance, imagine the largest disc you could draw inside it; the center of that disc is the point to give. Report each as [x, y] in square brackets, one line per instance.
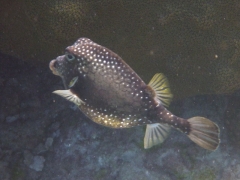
[120, 90]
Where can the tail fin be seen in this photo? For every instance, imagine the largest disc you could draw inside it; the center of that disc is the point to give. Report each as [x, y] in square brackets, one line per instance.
[204, 133]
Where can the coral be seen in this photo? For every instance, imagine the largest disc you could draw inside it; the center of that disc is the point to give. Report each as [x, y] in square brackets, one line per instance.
[196, 45]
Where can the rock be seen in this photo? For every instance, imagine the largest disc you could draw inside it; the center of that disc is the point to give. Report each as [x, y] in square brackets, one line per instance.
[40, 149]
[5, 171]
[38, 163]
[28, 158]
[48, 143]
[11, 119]
[56, 133]
[55, 126]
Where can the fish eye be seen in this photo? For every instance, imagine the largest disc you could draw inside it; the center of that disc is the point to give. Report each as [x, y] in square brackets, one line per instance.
[70, 57]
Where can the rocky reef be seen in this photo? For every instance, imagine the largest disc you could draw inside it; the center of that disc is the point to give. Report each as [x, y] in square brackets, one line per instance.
[44, 137]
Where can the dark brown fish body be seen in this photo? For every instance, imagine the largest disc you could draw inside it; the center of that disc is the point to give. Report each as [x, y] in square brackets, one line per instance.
[110, 93]
[120, 103]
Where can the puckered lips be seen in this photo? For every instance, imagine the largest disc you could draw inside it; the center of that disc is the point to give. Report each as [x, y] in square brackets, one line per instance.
[53, 69]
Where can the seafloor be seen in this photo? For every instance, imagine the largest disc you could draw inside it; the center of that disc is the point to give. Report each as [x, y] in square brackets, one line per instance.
[44, 137]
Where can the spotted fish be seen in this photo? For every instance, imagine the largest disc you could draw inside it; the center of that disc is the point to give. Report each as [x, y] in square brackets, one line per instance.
[110, 93]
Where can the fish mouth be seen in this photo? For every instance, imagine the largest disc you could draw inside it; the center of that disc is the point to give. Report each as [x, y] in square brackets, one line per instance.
[64, 83]
[54, 65]
[53, 69]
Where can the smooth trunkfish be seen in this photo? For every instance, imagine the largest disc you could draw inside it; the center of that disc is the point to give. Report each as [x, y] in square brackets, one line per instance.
[109, 92]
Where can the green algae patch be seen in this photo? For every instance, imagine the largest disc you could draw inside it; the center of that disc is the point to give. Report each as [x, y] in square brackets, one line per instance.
[18, 174]
[203, 174]
[101, 174]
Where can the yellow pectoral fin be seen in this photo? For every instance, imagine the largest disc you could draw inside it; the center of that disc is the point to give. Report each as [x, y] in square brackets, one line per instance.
[67, 94]
[73, 82]
[160, 85]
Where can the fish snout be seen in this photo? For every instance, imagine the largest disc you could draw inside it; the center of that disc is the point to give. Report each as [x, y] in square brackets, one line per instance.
[52, 67]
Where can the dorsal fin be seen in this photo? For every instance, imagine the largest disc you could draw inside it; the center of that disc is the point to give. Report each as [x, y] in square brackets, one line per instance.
[160, 85]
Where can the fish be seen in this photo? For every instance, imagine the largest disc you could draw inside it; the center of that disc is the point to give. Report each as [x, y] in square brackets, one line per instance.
[110, 93]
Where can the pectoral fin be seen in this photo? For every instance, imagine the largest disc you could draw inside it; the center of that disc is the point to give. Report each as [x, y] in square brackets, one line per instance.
[67, 94]
[73, 82]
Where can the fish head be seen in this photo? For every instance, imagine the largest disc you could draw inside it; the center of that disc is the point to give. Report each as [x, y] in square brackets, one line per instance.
[74, 63]
[65, 66]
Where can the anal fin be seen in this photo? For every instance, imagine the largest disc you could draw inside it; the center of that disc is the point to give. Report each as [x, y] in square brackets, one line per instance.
[155, 134]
